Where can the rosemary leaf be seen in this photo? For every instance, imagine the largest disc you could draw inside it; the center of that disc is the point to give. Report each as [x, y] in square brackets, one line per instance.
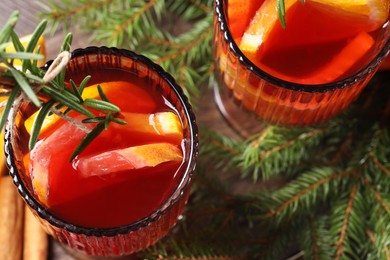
[101, 105]
[14, 93]
[97, 119]
[88, 139]
[83, 84]
[38, 122]
[16, 42]
[67, 42]
[21, 56]
[76, 91]
[282, 13]
[118, 121]
[34, 67]
[6, 32]
[25, 87]
[26, 65]
[34, 78]
[3, 45]
[108, 119]
[63, 99]
[65, 47]
[101, 93]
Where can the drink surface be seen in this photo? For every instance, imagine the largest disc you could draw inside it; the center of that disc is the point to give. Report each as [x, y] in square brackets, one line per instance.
[319, 44]
[116, 180]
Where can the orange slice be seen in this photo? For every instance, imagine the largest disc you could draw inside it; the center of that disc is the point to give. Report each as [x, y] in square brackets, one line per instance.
[137, 157]
[262, 24]
[367, 14]
[239, 15]
[160, 126]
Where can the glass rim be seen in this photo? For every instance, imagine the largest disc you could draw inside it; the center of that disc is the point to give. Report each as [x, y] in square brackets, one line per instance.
[219, 11]
[153, 216]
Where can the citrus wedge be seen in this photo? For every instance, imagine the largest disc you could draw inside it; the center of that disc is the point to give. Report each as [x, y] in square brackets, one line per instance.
[265, 19]
[160, 126]
[131, 158]
[240, 14]
[48, 154]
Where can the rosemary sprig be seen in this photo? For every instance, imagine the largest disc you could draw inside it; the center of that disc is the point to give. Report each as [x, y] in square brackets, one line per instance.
[30, 82]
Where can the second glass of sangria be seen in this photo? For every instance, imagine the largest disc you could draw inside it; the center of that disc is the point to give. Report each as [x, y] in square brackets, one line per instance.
[293, 62]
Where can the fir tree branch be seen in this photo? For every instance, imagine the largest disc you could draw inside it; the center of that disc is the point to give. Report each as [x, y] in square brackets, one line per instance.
[316, 241]
[303, 186]
[340, 242]
[377, 195]
[125, 24]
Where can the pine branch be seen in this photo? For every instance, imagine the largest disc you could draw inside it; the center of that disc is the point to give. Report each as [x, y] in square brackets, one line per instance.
[67, 12]
[348, 224]
[316, 241]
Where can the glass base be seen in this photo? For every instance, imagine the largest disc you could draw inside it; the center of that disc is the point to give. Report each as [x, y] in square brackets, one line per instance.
[80, 255]
[240, 120]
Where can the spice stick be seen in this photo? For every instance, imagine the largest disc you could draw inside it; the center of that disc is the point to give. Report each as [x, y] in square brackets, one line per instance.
[35, 245]
[11, 220]
[3, 168]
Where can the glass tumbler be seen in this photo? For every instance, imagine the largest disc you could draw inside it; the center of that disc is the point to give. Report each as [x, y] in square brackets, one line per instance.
[245, 93]
[137, 235]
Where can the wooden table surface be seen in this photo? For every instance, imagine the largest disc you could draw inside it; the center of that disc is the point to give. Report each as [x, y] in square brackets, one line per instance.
[207, 114]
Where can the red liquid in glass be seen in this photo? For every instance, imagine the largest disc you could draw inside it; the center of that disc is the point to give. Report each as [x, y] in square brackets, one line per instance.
[118, 198]
[316, 47]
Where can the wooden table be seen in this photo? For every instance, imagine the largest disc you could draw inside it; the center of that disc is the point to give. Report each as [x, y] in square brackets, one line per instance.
[207, 114]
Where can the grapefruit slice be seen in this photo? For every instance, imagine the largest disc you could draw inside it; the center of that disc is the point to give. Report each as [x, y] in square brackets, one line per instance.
[48, 155]
[137, 157]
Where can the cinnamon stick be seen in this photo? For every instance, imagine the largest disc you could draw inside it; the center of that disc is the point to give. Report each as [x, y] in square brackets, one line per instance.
[35, 246]
[11, 220]
[3, 168]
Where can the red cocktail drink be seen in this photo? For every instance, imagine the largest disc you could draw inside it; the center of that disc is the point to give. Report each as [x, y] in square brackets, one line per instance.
[302, 74]
[128, 187]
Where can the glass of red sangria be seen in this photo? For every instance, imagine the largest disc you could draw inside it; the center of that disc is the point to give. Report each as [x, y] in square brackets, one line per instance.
[299, 70]
[127, 189]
